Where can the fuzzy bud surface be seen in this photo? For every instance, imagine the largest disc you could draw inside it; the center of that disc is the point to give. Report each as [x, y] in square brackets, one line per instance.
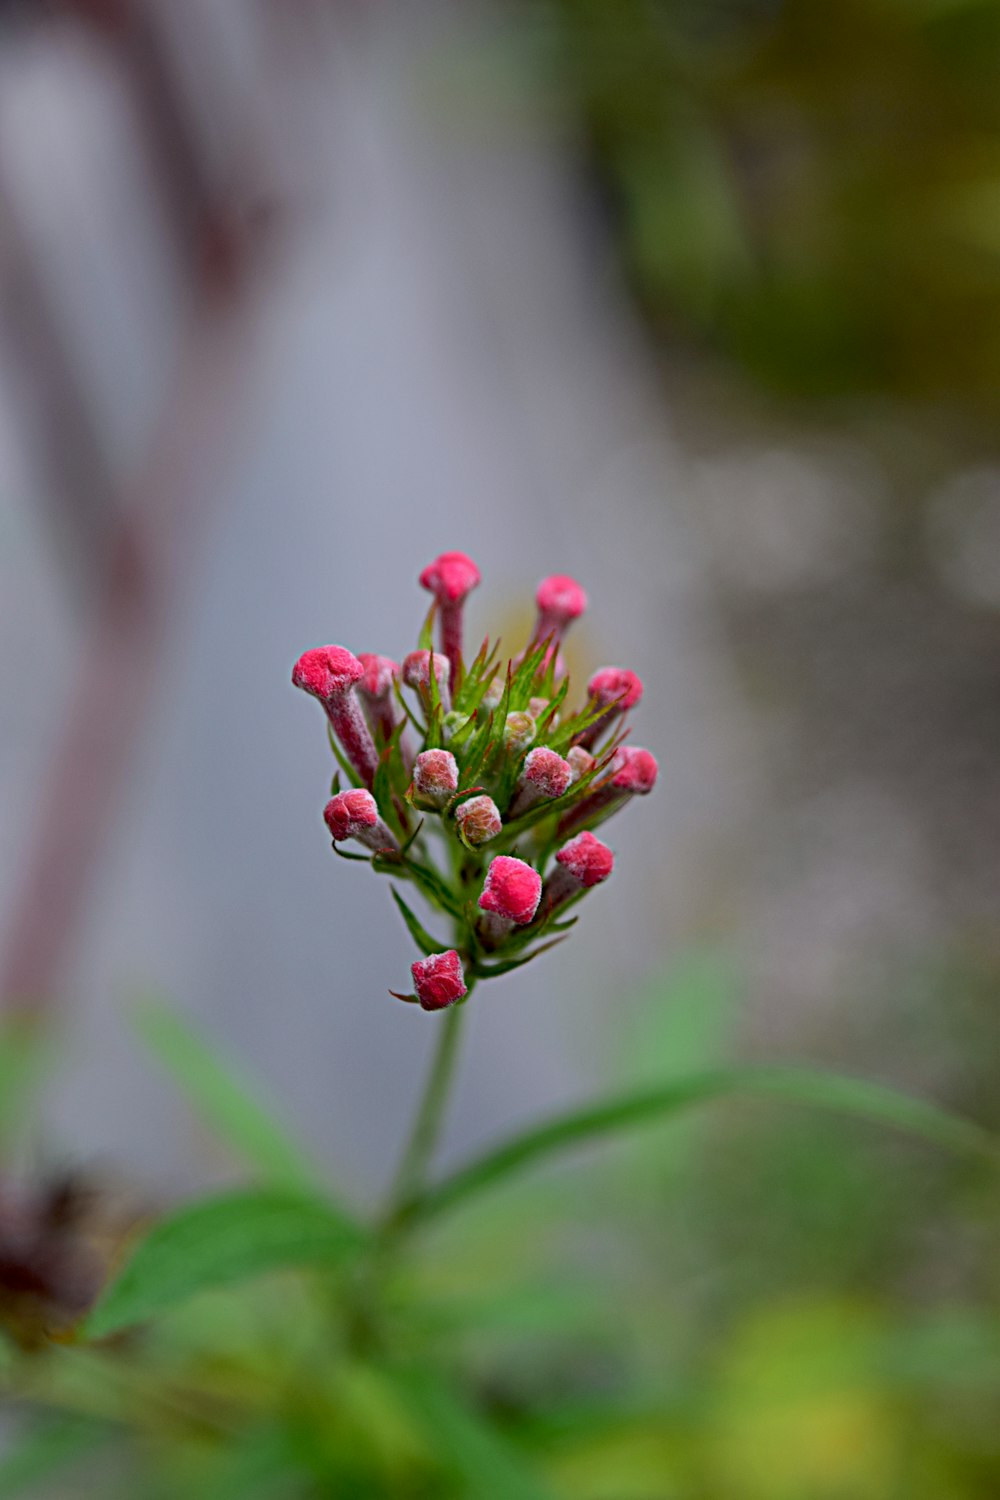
[435, 777]
[587, 859]
[478, 820]
[512, 890]
[438, 980]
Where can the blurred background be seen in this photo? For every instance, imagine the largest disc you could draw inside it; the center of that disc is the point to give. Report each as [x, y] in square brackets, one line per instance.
[700, 303]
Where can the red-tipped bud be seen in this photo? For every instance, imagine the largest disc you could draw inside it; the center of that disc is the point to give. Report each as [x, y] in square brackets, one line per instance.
[478, 820]
[379, 674]
[615, 686]
[635, 770]
[512, 890]
[544, 775]
[354, 815]
[327, 672]
[450, 577]
[435, 777]
[330, 673]
[616, 690]
[375, 691]
[560, 600]
[580, 761]
[417, 675]
[586, 859]
[518, 732]
[438, 980]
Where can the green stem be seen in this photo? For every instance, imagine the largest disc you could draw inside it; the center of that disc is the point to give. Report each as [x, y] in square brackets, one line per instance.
[409, 1179]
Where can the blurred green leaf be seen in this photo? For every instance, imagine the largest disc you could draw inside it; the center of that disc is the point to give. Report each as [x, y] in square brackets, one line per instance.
[216, 1242]
[222, 1101]
[47, 1447]
[851, 1096]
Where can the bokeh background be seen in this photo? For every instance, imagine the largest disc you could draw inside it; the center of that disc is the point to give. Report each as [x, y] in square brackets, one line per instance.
[700, 303]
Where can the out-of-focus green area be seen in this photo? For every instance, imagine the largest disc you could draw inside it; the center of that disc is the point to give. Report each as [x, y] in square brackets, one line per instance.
[813, 190]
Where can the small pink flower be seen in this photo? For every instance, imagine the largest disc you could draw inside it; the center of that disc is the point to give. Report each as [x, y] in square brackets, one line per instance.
[354, 815]
[438, 980]
[435, 778]
[330, 674]
[512, 890]
[417, 675]
[450, 578]
[478, 820]
[544, 776]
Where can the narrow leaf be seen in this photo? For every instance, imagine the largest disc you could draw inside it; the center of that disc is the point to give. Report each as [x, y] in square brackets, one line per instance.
[217, 1242]
[808, 1086]
[222, 1100]
[419, 934]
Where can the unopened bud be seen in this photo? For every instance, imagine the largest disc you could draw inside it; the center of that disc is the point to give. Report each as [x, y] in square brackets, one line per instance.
[583, 862]
[417, 675]
[632, 772]
[375, 691]
[560, 600]
[330, 674]
[452, 723]
[438, 980]
[580, 761]
[518, 732]
[616, 690]
[544, 776]
[354, 815]
[493, 695]
[478, 820]
[450, 578]
[435, 778]
[538, 707]
[512, 890]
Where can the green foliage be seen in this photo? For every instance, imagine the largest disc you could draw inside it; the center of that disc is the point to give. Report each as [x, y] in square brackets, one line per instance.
[216, 1242]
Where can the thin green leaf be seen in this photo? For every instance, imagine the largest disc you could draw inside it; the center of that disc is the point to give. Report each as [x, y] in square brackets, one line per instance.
[217, 1242]
[221, 1099]
[419, 934]
[45, 1448]
[425, 641]
[507, 965]
[341, 758]
[808, 1086]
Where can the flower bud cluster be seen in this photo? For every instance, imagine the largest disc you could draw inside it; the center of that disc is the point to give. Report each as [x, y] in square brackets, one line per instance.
[491, 817]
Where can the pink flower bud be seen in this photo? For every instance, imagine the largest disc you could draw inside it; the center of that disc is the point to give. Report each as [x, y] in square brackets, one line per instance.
[580, 761]
[560, 601]
[512, 890]
[583, 862]
[450, 578]
[417, 675]
[375, 691]
[330, 673]
[354, 815]
[518, 732]
[478, 820]
[435, 777]
[544, 775]
[616, 690]
[632, 772]
[438, 980]
[586, 859]
[538, 707]
[635, 770]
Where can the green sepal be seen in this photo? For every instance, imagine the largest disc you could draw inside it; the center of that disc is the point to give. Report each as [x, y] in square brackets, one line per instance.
[505, 966]
[417, 932]
[523, 683]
